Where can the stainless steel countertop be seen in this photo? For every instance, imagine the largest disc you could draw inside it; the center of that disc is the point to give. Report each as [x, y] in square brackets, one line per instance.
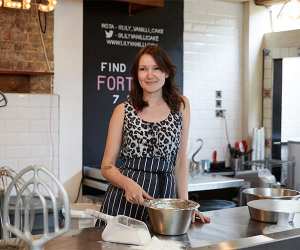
[209, 181]
[230, 228]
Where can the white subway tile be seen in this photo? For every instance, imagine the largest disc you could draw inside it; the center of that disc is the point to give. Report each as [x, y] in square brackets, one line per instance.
[40, 151]
[40, 126]
[228, 9]
[39, 138]
[39, 100]
[2, 126]
[14, 152]
[17, 126]
[8, 112]
[17, 100]
[2, 153]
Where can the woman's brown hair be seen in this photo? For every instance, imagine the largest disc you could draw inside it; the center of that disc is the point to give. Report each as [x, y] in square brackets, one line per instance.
[170, 91]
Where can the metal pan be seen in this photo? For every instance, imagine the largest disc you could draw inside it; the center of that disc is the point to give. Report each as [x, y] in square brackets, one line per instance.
[251, 194]
[269, 210]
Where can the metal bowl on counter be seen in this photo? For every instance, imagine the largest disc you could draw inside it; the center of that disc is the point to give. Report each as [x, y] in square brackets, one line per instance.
[170, 216]
[261, 201]
[270, 210]
[251, 194]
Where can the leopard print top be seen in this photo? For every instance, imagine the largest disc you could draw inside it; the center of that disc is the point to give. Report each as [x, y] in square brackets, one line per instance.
[150, 139]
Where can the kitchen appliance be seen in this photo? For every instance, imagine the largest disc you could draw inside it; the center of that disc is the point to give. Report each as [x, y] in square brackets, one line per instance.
[122, 229]
[36, 185]
[170, 216]
[251, 194]
[270, 210]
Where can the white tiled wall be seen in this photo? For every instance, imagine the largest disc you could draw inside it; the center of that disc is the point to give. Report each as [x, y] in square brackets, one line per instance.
[29, 133]
[213, 61]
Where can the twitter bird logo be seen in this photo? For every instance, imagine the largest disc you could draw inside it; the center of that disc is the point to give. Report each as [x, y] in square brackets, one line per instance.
[109, 34]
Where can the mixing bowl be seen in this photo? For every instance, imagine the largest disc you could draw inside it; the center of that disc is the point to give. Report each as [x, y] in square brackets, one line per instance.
[170, 216]
[251, 194]
[270, 210]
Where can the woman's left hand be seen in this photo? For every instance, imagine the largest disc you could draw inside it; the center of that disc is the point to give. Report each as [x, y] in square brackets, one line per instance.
[199, 216]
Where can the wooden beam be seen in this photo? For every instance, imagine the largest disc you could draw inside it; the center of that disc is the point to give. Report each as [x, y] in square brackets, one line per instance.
[268, 2]
[24, 72]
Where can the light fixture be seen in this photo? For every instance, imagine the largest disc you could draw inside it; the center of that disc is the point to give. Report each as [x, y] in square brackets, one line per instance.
[46, 8]
[12, 4]
[291, 9]
[26, 4]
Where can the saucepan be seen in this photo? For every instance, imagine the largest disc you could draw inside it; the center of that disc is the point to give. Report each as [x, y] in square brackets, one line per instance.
[170, 216]
[271, 210]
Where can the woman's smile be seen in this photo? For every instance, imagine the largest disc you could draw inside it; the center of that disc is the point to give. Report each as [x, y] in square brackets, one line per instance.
[150, 76]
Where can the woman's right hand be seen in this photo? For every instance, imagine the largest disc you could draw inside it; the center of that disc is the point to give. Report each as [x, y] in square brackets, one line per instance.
[134, 192]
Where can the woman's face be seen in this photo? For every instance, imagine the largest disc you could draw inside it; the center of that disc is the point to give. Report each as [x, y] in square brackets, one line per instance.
[150, 76]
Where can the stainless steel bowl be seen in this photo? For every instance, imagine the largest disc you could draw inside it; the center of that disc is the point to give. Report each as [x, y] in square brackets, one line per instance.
[271, 210]
[251, 194]
[171, 216]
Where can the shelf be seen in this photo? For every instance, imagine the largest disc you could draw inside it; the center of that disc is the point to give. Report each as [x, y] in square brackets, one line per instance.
[24, 73]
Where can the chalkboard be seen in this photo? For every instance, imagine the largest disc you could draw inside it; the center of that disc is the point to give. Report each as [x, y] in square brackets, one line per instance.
[111, 39]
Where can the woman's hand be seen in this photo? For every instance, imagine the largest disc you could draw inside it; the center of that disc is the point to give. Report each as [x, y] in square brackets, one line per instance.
[199, 216]
[134, 193]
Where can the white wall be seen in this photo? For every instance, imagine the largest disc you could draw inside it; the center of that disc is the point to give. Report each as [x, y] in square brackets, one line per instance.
[213, 35]
[29, 131]
[68, 85]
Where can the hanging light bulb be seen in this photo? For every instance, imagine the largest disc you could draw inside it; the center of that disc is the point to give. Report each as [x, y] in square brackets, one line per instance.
[46, 8]
[12, 4]
[26, 4]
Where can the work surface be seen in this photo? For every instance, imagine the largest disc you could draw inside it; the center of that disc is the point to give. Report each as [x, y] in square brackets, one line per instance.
[201, 182]
[197, 181]
[226, 224]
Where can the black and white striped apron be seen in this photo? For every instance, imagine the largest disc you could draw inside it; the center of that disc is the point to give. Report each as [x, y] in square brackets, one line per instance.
[148, 156]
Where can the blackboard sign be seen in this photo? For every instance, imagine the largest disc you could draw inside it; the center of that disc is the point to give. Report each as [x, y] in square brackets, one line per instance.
[111, 39]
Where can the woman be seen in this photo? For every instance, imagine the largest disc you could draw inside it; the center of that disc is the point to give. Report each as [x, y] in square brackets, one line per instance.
[149, 133]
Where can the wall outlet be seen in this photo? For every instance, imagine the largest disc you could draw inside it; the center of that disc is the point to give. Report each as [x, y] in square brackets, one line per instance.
[218, 103]
[220, 113]
[218, 94]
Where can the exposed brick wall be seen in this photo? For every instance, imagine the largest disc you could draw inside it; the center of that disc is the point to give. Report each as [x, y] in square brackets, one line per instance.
[21, 50]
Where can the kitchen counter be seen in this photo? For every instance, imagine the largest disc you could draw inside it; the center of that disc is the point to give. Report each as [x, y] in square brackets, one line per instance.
[197, 181]
[231, 227]
[201, 182]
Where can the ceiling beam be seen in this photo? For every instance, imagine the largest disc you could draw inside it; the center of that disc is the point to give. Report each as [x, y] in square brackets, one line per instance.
[268, 2]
